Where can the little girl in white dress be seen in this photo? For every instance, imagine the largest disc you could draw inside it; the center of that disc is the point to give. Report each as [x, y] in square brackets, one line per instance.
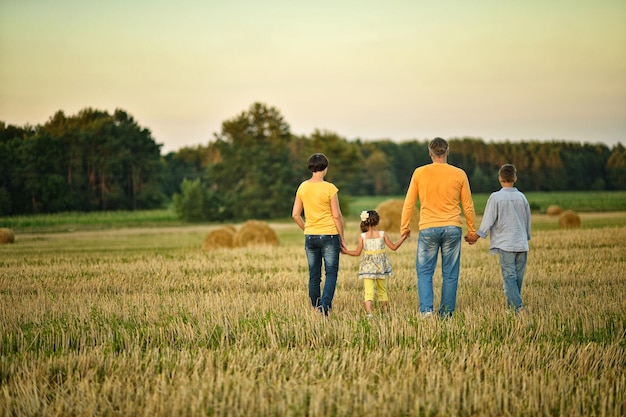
[375, 266]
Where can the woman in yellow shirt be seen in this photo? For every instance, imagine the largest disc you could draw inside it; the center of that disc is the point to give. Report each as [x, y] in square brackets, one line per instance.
[323, 231]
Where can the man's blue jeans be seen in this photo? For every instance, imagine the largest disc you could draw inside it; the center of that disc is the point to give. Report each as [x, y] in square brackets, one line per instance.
[326, 248]
[446, 239]
[513, 266]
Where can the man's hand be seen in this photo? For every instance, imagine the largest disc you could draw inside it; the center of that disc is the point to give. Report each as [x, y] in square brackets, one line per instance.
[472, 238]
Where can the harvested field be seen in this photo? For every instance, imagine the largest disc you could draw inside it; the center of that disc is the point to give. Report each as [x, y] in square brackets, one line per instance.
[143, 322]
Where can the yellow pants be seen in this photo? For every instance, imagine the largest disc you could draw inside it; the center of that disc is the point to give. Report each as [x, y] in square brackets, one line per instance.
[372, 286]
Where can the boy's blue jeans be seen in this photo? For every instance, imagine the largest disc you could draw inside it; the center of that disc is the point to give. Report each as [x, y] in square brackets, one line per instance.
[326, 248]
[446, 239]
[513, 266]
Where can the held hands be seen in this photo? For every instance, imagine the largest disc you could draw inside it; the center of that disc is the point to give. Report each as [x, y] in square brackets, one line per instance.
[472, 238]
[343, 248]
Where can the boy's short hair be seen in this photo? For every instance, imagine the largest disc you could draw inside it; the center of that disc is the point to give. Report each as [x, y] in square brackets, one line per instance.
[317, 162]
[508, 173]
[438, 146]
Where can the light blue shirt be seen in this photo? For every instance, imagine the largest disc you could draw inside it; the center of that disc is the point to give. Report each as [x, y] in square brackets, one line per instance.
[507, 218]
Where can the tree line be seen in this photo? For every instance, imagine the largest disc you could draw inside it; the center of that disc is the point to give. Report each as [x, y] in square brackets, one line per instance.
[96, 161]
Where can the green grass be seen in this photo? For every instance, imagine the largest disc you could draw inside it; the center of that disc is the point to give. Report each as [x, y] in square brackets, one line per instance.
[71, 221]
[139, 321]
[581, 202]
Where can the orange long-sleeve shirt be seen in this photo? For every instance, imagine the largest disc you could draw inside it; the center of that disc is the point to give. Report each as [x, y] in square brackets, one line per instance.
[441, 189]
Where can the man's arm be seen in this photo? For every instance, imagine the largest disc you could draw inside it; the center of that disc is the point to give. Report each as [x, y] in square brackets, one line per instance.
[468, 207]
[409, 205]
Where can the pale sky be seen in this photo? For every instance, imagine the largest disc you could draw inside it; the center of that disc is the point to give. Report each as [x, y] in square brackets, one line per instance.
[491, 69]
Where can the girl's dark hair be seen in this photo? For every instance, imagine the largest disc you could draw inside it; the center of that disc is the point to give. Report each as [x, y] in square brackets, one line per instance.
[372, 220]
[317, 162]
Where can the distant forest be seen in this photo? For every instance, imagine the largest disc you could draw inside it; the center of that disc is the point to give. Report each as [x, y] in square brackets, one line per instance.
[97, 161]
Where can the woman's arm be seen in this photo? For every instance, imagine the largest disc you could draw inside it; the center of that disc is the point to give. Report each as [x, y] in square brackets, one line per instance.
[296, 212]
[337, 217]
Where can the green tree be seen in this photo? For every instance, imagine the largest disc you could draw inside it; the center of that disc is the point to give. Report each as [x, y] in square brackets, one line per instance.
[411, 154]
[254, 175]
[377, 177]
[91, 161]
[13, 199]
[481, 183]
[44, 180]
[197, 203]
[345, 161]
[616, 167]
[67, 130]
[186, 163]
[140, 167]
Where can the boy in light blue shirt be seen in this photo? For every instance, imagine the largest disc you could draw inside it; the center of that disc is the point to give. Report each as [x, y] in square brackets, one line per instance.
[507, 218]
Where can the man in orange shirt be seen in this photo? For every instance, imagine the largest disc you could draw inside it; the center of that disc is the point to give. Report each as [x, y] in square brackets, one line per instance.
[440, 188]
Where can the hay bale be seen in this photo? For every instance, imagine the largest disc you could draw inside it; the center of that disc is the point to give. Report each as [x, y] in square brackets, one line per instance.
[554, 210]
[569, 220]
[255, 233]
[219, 238]
[6, 236]
[390, 212]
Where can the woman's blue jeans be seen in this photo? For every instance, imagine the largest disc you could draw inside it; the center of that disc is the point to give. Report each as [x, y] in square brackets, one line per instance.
[446, 239]
[326, 248]
[513, 266]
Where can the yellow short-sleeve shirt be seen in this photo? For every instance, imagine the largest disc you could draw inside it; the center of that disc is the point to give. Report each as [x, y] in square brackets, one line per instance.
[318, 216]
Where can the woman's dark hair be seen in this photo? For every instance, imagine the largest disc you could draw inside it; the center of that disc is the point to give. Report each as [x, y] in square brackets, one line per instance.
[317, 162]
[372, 220]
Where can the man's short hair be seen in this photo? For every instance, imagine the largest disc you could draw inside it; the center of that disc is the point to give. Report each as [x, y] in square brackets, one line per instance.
[438, 146]
[507, 173]
[317, 162]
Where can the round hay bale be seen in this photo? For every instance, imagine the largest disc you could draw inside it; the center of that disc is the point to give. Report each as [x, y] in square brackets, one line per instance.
[218, 238]
[569, 220]
[390, 212]
[6, 236]
[255, 233]
[554, 210]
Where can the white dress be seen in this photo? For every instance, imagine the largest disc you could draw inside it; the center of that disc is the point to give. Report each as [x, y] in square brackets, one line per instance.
[375, 263]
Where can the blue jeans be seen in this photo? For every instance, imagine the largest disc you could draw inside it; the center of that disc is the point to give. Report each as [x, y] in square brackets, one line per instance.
[513, 266]
[446, 239]
[318, 248]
